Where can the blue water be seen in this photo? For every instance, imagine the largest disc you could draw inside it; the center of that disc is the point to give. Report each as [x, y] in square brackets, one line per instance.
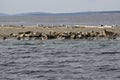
[82, 19]
[59, 60]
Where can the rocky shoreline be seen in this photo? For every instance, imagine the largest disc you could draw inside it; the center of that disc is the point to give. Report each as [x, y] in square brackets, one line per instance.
[59, 32]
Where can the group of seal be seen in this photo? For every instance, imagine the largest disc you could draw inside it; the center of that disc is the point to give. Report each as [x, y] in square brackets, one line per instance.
[64, 35]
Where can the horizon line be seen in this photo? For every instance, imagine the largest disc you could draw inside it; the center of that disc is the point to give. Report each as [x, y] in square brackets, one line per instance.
[61, 12]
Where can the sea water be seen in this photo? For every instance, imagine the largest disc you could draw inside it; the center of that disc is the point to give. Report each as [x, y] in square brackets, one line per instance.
[80, 19]
[59, 59]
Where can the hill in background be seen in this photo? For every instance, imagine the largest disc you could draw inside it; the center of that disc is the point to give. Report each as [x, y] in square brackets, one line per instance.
[47, 14]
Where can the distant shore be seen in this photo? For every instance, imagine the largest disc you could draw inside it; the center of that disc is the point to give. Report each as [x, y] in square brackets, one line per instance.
[59, 31]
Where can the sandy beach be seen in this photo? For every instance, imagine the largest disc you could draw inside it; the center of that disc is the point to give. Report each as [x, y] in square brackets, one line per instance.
[8, 30]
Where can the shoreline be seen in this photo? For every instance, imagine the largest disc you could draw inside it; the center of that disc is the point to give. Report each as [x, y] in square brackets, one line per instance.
[63, 31]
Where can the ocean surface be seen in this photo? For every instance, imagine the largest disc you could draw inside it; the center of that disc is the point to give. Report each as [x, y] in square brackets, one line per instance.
[80, 19]
[59, 59]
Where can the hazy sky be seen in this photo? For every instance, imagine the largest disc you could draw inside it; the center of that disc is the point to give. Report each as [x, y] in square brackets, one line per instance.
[57, 6]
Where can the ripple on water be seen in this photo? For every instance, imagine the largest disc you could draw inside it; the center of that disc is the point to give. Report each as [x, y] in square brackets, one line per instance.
[59, 60]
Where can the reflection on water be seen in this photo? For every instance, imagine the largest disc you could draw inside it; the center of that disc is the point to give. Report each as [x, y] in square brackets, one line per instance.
[59, 60]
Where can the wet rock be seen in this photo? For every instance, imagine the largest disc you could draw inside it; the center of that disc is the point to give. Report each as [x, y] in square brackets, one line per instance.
[109, 34]
[65, 35]
[4, 38]
[13, 35]
[18, 38]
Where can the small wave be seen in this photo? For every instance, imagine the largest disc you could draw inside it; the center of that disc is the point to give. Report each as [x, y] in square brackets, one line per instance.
[106, 68]
[69, 61]
[10, 64]
[25, 57]
[118, 77]
[7, 79]
[31, 72]
[27, 42]
[24, 44]
[109, 52]
[40, 76]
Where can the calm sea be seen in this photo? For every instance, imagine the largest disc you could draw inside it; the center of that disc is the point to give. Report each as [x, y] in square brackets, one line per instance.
[59, 60]
[83, 19]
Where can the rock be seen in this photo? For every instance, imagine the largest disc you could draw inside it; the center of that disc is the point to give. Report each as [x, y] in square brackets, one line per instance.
[108, 34]
[37, 34]
[4, 38]
[18, 38]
